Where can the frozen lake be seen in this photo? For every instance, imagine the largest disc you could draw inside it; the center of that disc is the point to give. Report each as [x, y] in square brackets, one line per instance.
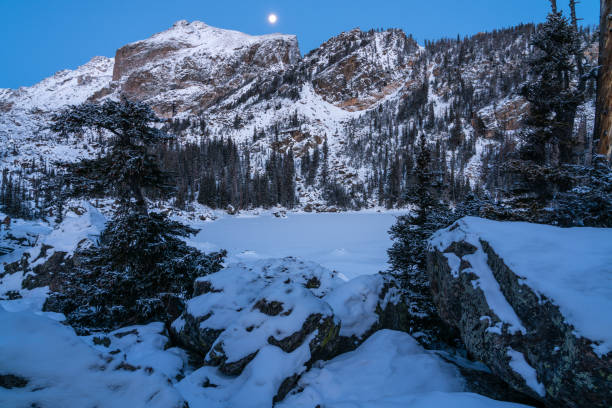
[351, 243]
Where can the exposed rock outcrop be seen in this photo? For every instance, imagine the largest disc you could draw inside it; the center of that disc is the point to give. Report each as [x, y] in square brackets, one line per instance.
[294, 306]
[242, 310]
[343, 72]
[519, 304]
[192, 66]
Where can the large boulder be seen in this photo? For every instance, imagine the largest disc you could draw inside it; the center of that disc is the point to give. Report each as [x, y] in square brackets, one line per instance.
[369, 303]
[245, 309]
[283, 309]
[532, 302]
[42, 254]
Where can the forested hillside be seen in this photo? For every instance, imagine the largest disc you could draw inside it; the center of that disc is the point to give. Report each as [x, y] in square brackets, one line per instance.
[336, 129]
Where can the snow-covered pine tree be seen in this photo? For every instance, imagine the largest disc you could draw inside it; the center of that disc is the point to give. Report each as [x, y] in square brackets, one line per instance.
[128, 167]
[408, 254]
[544, 184]
[552, 92]
[314, 167]
[140, 269]
[325, 166]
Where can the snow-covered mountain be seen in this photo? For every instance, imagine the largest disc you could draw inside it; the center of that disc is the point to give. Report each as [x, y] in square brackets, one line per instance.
[367, 93]
[192, 66]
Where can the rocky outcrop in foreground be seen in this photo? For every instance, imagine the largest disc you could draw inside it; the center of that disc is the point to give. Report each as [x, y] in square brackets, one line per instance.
[532, 302]
[288, 310]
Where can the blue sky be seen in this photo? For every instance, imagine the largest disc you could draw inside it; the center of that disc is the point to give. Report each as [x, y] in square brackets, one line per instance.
[40, 37]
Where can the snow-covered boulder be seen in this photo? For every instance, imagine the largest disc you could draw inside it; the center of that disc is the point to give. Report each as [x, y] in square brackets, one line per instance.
[45, 364]
[369, 303]
[50, 251]
[531, 301]
[389, 369]
[287, 308]
[142, 347]
[245, 309]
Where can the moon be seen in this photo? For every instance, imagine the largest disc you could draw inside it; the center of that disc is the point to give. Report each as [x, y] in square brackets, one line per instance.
[272, 18]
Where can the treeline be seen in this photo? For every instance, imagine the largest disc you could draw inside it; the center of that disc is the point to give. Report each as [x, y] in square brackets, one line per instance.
[218, 173]
[27, 193]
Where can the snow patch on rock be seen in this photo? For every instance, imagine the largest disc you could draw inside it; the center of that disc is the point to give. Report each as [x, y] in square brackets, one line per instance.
[521, 367]
[441, 240]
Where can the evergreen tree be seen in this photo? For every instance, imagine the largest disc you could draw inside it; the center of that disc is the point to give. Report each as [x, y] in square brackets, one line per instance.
[128, 167]
[325, 167]
[552, 92]
[141, 269]
[288, 177]
[603, 114]
[408, 254]
[305, 166]
[314, 167]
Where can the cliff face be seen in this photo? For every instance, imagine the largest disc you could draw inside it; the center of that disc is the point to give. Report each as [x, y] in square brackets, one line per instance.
[526, 306]
[192, 65]
[356, 69]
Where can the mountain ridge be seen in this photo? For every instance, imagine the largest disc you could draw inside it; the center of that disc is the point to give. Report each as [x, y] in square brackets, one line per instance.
[367, 93]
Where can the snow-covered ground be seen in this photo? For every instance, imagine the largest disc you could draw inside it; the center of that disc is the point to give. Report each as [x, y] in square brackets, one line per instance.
[62, 370]
[353, 243]
[137, 369]
[389, 370]
[132, 367]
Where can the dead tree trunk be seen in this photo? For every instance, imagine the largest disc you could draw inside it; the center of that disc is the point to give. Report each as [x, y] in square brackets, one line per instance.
[603, 126]
[553, 5]
[572, 5]
[579, 56]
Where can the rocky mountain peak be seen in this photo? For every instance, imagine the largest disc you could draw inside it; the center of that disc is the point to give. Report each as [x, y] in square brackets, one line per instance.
[358, 68]
[191, 65]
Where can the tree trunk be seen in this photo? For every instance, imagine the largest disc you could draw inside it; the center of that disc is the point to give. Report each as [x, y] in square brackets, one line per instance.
[603, 126]
[553, 5]
[579, 56]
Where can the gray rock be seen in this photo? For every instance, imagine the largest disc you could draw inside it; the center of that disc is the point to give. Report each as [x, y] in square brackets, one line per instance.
[10, 381]
[566, 365]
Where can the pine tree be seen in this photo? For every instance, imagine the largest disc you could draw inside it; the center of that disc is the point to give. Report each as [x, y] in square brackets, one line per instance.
[314, 167]
[288, 177]
[325, 166]
[408, 254]
[140, 269]
[551, 92]
[603, 117]
[128, 167]
[305, 166]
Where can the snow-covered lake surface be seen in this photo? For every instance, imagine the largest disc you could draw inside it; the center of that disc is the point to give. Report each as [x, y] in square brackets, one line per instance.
[352, 243]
